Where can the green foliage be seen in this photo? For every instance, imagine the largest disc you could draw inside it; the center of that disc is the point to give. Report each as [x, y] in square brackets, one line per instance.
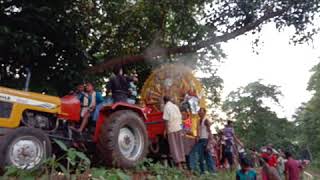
[315, 165]
[256, 124]
[61, 39]
[146, 170]
[76, 159]
[160, 171]
[45, 36]
[13, 171]
[106, 174]
[308, 116]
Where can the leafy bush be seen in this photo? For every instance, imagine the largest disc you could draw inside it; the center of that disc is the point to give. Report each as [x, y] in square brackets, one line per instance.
[315, 165]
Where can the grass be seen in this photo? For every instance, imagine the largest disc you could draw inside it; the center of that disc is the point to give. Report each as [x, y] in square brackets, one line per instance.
[78, 167]
[146, 170]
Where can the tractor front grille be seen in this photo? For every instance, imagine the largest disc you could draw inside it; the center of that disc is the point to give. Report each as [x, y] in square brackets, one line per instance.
[5, 109]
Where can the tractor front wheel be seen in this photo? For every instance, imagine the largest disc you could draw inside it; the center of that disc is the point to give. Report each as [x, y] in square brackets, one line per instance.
[123, 140]
[24, 148]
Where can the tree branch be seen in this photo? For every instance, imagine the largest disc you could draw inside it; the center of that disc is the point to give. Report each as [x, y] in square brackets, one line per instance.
[155, 52]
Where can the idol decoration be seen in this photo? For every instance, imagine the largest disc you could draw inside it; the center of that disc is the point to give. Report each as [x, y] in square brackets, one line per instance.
[178, 82]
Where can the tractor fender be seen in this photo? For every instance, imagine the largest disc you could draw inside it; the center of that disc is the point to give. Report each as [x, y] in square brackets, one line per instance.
[109, 109]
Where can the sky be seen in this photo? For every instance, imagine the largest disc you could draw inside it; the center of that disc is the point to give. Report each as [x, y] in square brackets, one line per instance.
[278, 63]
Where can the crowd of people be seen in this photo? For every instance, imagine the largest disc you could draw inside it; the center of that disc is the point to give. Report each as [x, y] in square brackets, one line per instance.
[121, 86]
[206, 155]
[278, 165]
[224, 150]
[211, 152]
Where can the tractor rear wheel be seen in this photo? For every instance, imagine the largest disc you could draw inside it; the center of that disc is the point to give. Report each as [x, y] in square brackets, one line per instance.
[123, 140]
[25, 148]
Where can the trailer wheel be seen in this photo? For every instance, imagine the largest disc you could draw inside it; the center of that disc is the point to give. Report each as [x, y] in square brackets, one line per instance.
[25, 148]
[123, 140]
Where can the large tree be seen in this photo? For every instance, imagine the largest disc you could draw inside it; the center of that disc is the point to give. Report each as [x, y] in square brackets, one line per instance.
[180, 27]
[46, 37]
[60, 39]
[255, 122]
[308, 116]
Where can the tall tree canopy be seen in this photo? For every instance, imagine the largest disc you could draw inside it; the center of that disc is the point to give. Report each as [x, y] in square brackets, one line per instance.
[256, 124]
[308, 115]
[61, 39]
[189, 26]
[49, 37]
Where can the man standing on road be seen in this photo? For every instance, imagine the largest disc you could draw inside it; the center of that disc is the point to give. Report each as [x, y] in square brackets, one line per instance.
[227, 149]
[173, 119]
[292, 167]
[200, 148]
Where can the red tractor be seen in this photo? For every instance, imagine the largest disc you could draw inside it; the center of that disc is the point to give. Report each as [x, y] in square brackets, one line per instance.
[121, 135]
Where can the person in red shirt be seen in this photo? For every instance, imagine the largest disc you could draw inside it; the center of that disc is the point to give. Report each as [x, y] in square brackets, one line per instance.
[271, 157]
[292, 167]
[268, 172]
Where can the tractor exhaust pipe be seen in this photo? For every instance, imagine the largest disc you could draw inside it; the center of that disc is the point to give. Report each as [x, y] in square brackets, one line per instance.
[26, 86]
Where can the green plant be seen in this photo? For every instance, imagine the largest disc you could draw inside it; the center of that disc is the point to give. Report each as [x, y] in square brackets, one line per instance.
[109, 174]
[75, 160]
[78, 166]
[12, 171]
[315, 165]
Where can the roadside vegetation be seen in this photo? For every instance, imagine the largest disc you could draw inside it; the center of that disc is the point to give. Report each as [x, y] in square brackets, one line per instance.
[150, 171]
[74, 165]
[315, 168]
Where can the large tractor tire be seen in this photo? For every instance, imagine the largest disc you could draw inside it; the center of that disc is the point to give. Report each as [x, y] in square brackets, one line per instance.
[123, 141]
[25, 148]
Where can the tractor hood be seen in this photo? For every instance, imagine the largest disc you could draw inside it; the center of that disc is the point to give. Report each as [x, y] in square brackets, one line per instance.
[29, 98]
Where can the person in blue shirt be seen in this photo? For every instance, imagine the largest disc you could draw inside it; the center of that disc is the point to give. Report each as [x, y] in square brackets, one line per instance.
[90, 99]
[133, 89]
[246, 172]
[106, 101]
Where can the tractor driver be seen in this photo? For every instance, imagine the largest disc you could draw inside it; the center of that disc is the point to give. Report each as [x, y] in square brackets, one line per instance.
[119, 85]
